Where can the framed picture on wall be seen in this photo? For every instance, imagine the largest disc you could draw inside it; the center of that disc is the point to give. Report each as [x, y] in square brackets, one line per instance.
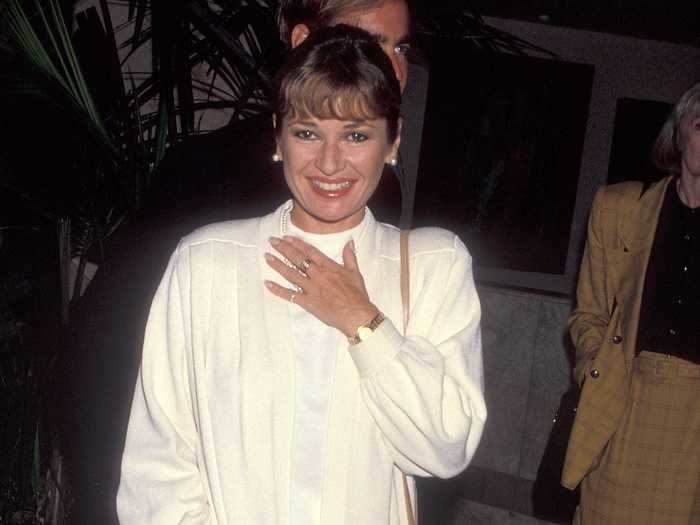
[501, 154]
[637, 124]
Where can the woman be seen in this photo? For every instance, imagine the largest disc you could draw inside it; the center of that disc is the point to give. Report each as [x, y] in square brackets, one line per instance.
[276, 385]
[635, 445]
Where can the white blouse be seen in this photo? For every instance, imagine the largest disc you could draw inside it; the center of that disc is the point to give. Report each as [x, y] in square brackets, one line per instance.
[211, 438]
[315, 345]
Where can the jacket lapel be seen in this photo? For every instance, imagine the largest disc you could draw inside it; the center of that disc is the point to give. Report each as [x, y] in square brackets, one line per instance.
[638, 223]
[636, 228]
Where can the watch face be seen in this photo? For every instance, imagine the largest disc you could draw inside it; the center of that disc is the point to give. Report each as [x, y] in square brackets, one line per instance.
[364, 332]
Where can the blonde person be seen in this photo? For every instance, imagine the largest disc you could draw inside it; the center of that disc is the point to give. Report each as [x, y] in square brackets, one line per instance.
[635, 445]
[276, 384]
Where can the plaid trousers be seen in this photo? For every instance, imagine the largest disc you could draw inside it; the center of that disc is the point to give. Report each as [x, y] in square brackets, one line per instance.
[649, 473]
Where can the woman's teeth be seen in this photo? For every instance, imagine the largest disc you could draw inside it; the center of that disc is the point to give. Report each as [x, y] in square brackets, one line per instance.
[332, 186]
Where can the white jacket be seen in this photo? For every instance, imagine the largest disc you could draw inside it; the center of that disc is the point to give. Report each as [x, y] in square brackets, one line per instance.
[210, 428]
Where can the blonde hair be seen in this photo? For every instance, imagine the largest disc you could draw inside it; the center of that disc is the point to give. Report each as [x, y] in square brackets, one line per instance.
[668, 148]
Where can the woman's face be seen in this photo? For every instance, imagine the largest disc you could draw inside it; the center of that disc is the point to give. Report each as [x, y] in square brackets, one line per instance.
[332, 167]
[690, 155]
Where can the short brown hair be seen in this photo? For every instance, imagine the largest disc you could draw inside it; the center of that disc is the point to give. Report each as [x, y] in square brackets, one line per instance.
[338, 72]
[316, 13]
[668, 148]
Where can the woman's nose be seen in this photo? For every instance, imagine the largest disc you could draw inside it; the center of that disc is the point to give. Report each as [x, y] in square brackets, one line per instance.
[330, 158]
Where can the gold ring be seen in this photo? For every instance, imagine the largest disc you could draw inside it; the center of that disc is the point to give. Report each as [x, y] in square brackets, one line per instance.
[305, 265]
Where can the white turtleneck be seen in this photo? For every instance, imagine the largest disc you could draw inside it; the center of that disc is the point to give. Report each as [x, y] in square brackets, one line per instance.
[315, 346]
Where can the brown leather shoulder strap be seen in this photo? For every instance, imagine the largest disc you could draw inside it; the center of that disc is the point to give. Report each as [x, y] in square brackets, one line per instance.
[406, 303]
[405, 279]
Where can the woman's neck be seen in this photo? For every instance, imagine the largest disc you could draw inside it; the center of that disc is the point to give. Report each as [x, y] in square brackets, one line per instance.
[688, 188]
[310, 224]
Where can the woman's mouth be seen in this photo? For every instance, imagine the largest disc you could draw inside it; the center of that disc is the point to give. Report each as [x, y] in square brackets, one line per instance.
[331, 189]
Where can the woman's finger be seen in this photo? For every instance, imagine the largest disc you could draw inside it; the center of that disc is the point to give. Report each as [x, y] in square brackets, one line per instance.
[308, 251]
[294, 254]
[287, 249]
[349, 257]
[293, 296]
[292, 275]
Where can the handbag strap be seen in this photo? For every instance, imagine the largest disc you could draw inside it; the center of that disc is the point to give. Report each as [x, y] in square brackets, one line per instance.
[405, 302]
[405, 288]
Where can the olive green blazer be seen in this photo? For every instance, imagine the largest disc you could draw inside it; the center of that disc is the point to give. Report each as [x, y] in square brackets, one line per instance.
[604, 323]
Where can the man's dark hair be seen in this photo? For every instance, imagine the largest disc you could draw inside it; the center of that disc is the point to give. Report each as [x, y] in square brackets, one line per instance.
[316, 14]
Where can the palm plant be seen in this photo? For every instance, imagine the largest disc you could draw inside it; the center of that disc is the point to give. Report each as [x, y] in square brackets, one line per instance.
[74, 200]
[204, 56]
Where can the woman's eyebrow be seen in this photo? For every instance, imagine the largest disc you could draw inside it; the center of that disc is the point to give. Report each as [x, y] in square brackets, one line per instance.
[359, 123]
[307, 123]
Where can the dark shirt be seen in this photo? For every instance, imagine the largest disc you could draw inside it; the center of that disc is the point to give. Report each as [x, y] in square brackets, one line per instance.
[668, 321]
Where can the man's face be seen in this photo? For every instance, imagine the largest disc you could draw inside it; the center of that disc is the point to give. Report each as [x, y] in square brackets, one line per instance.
[389, 22]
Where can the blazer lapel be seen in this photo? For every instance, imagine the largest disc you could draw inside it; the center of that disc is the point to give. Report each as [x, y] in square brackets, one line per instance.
[638, 222]
[637, 229]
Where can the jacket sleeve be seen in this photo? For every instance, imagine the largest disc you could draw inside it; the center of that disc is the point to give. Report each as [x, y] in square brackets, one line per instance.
[425, 391]
[160, 483]
[589, 320]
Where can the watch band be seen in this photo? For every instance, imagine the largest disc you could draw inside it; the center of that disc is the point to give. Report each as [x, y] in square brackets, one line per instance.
[365, 330]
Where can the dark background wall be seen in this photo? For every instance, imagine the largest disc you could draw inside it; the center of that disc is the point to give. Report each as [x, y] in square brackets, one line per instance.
[625, 67]
[526, 345]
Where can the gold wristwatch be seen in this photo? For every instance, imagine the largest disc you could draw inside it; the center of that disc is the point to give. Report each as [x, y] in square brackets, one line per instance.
[364, 331]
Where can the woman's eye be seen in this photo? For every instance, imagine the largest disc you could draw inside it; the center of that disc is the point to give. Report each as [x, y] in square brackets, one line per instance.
[356, 136]
[304, 134]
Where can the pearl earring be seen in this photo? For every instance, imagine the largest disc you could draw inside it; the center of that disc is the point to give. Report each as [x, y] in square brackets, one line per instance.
[393, 162]
[276, 157]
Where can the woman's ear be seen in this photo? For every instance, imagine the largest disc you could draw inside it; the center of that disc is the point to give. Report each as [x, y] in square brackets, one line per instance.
[298, 34]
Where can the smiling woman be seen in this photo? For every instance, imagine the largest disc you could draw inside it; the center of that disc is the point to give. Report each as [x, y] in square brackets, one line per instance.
[277, 388]
[334, 167]
[338, 124]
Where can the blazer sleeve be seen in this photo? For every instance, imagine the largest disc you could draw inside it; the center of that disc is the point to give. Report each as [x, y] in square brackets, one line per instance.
[589, 320]
[160, 482]
[425, 391]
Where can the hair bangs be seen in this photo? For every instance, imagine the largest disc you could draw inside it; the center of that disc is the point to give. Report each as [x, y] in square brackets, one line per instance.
[317, 97]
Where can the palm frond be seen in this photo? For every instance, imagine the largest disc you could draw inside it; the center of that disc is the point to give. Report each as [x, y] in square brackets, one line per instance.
[57, 61]
[445, 23]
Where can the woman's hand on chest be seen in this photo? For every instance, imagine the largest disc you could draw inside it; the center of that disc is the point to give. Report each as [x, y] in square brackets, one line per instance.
[334, 293]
